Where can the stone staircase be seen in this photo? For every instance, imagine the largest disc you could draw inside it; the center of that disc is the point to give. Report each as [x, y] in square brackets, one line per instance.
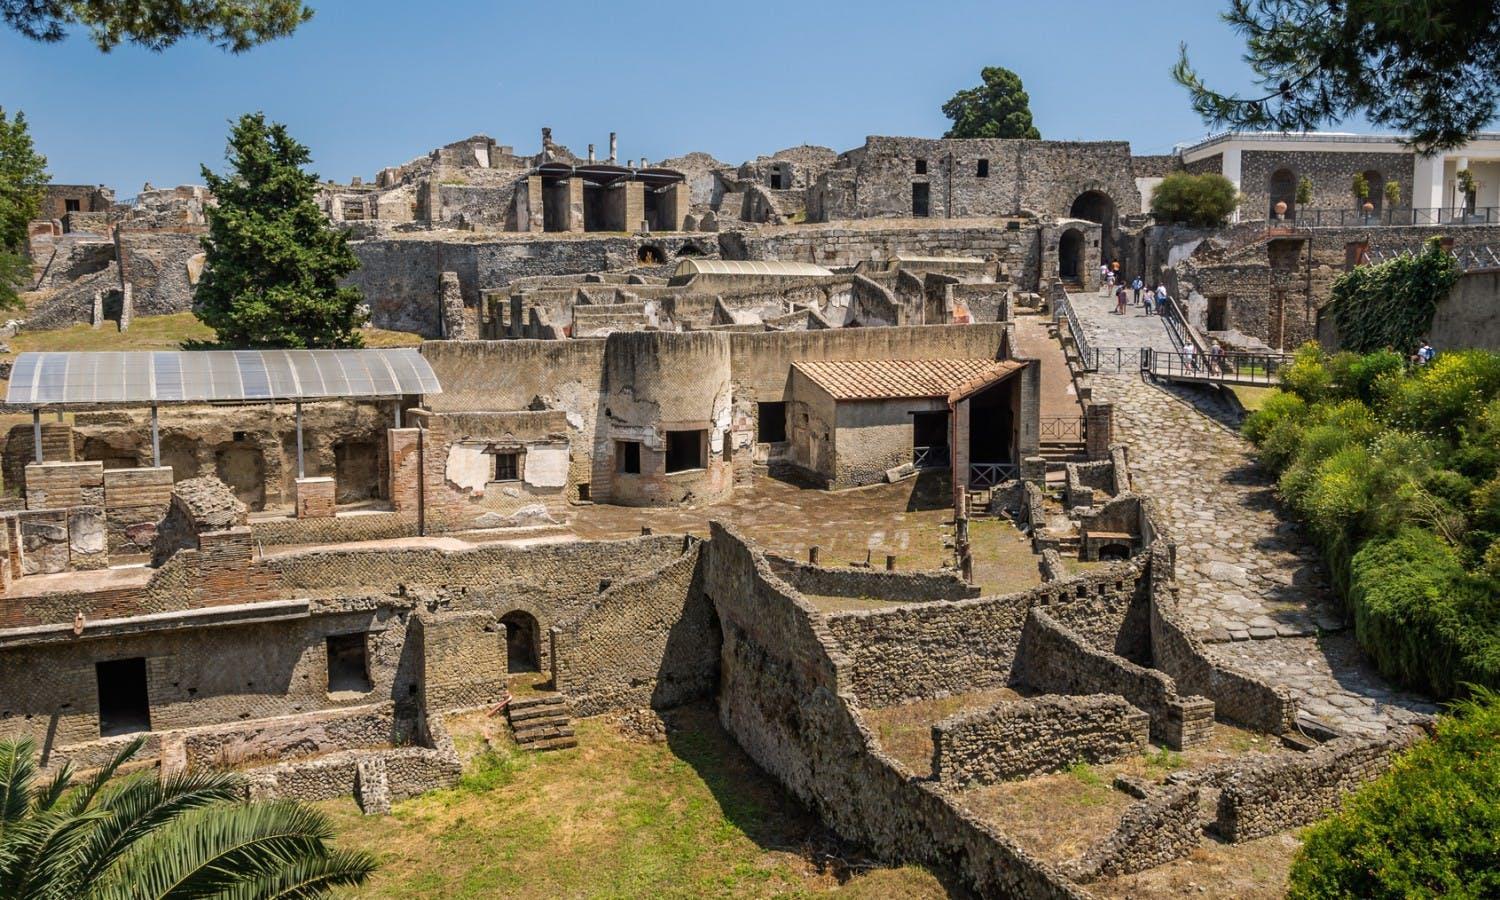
[541, 722]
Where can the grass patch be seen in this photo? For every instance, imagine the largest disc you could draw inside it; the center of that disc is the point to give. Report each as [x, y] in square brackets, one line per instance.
[1165, 760]
[1252, 398]
[1085, 774]
[689, 818]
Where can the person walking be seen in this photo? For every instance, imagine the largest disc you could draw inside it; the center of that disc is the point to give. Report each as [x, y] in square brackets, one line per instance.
[1120, 300]
[1425, 353]
[1161, 298]
[1135, 285]
[1103, 278]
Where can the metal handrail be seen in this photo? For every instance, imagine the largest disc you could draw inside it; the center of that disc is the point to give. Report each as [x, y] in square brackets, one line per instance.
[929, 457]
[1393, 218]
[1060, 428]
[983, 475]
[1064, 306]
[1218, 368]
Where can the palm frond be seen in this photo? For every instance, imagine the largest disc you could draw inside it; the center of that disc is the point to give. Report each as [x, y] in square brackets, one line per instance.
[85, 795]
[141, 804]
[47, 797]
[308, 878]
[17, 772]
[214, 849]
[45, 851]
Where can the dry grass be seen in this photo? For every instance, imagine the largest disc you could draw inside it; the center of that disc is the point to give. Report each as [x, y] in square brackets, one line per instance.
[905, 730]
[1056, 816]
[689, 818]
[1255, 870]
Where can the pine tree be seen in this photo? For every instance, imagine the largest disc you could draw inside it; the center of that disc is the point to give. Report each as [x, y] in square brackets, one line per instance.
[23, 182]
[273, 266]
[999, 108]
[157, 24]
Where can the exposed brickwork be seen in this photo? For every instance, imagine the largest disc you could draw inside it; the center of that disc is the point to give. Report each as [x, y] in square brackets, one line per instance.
[315, 498]
[1020, 738]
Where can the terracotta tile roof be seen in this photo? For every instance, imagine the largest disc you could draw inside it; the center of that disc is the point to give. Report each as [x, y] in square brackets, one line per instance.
[878, 379]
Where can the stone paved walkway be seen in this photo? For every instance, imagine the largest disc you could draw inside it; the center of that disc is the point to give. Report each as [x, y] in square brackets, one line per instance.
[1249, 582]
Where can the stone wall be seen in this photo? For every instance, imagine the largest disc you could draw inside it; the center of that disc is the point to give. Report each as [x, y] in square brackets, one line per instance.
[786, 698]
[1017, 739]
[652, 640]
[1278, 793]
[1155, 830]
[836, 245]
[1331, 173]
[287, 737]
[848, 581]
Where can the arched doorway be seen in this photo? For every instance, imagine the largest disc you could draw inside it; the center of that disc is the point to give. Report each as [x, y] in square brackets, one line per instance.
[1070, 255]
[1283, 189]
[1096, 206]
[1376, 181]
[521, 637]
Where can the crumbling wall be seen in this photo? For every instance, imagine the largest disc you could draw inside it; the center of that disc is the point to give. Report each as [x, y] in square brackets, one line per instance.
[848, 581]
[1020, 738]
[1153, 831]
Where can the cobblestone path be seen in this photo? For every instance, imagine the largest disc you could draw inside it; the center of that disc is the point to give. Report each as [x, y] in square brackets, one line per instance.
[1250, 584]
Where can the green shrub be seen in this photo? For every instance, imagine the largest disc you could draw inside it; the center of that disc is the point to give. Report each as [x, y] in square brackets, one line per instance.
[1424, 620]
[1390, 305]
[1430, 827]
[1444, 396]
[1307, 376]
[1278, 405]
[1204, 200]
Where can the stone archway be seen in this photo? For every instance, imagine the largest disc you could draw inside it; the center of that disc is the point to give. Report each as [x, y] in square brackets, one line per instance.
[522, 639]
[1376, 183]
[1097, 206]
[1070, 255]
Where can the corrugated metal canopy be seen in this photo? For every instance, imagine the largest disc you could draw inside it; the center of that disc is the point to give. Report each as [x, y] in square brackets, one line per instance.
[216, 376]
[750, 267]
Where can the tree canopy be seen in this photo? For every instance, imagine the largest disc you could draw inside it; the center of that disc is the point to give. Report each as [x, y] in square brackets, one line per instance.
[1204, 200]
[999, 108]
[272, 264]
[233, 25]
[1429, 69]
[23, 182]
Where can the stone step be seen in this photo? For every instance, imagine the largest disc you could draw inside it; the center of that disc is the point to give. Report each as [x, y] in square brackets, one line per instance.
[535, 700]
[528, 736]
[540, 722]
[535, 712]
[558, 743]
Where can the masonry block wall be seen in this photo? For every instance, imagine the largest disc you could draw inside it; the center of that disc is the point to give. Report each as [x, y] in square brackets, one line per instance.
[134, 501]
[315, 498]
[57, 484]
[1028, 737]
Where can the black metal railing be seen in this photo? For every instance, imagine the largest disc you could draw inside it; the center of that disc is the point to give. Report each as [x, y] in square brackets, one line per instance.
[1061, 428]
[1062, 310]
[1115, 359]
[1419, 215]
[985, 475]
[929, 457]
[1222, 368]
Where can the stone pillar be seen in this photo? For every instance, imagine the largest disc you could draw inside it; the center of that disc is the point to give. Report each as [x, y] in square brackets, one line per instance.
[635, 204]
[315, 498]
[451, 311]
[614, 147]
[404, 466]
[1098, 428]
[98, 314]
[1034, 470]
[677, 201]
[575, 205]
[534, 208]
[127, 306]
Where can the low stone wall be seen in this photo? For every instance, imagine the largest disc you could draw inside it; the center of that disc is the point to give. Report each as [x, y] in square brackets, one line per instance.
[898, 587]
[1030, 737]
[286, 737]
[646, 641]
[1282, 792]
[375, 778]
[1153, 831]
[1237, 696]
[1054, 658]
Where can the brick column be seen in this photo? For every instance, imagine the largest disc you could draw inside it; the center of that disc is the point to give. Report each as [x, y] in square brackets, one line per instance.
[1098, 427]
[404, 466]
[315, 498]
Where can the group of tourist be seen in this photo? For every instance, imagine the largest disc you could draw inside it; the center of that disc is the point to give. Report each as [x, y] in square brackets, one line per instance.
[1140, 294]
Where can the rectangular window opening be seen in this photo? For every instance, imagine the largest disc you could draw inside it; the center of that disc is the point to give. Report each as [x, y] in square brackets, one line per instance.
[507, 466]
[348, 668]
[983, 170]
[72, 206]
[124, 701]
[921, 167]
[685, 450]
[770, 423]
[628, 456]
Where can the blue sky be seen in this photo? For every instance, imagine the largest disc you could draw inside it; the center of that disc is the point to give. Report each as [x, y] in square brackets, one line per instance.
[372, 83]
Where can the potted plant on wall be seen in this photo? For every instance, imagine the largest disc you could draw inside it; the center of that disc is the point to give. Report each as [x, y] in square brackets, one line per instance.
[1304, 190]
[1392, 194]
[1361, 189]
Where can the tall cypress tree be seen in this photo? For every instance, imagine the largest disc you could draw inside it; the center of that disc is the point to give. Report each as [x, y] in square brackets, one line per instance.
[271, 277]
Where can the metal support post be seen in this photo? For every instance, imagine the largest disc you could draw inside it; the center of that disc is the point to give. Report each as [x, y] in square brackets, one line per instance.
[36, 433]
[155, 438]
[300, 469]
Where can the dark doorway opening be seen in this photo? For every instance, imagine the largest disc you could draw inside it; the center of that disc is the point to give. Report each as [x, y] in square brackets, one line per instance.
[1114, 552]
[684, 450]
[243, 468]
[929, 439]
[1070, 254]
[1218, 313]
[348, 663]
[770, 423]
[628, 456]
[124, 700]
[1096, 206]
[1283, 189]
[992, 424]
[521, 634]
[356, 471]
[921, 194]
[1375, 182]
